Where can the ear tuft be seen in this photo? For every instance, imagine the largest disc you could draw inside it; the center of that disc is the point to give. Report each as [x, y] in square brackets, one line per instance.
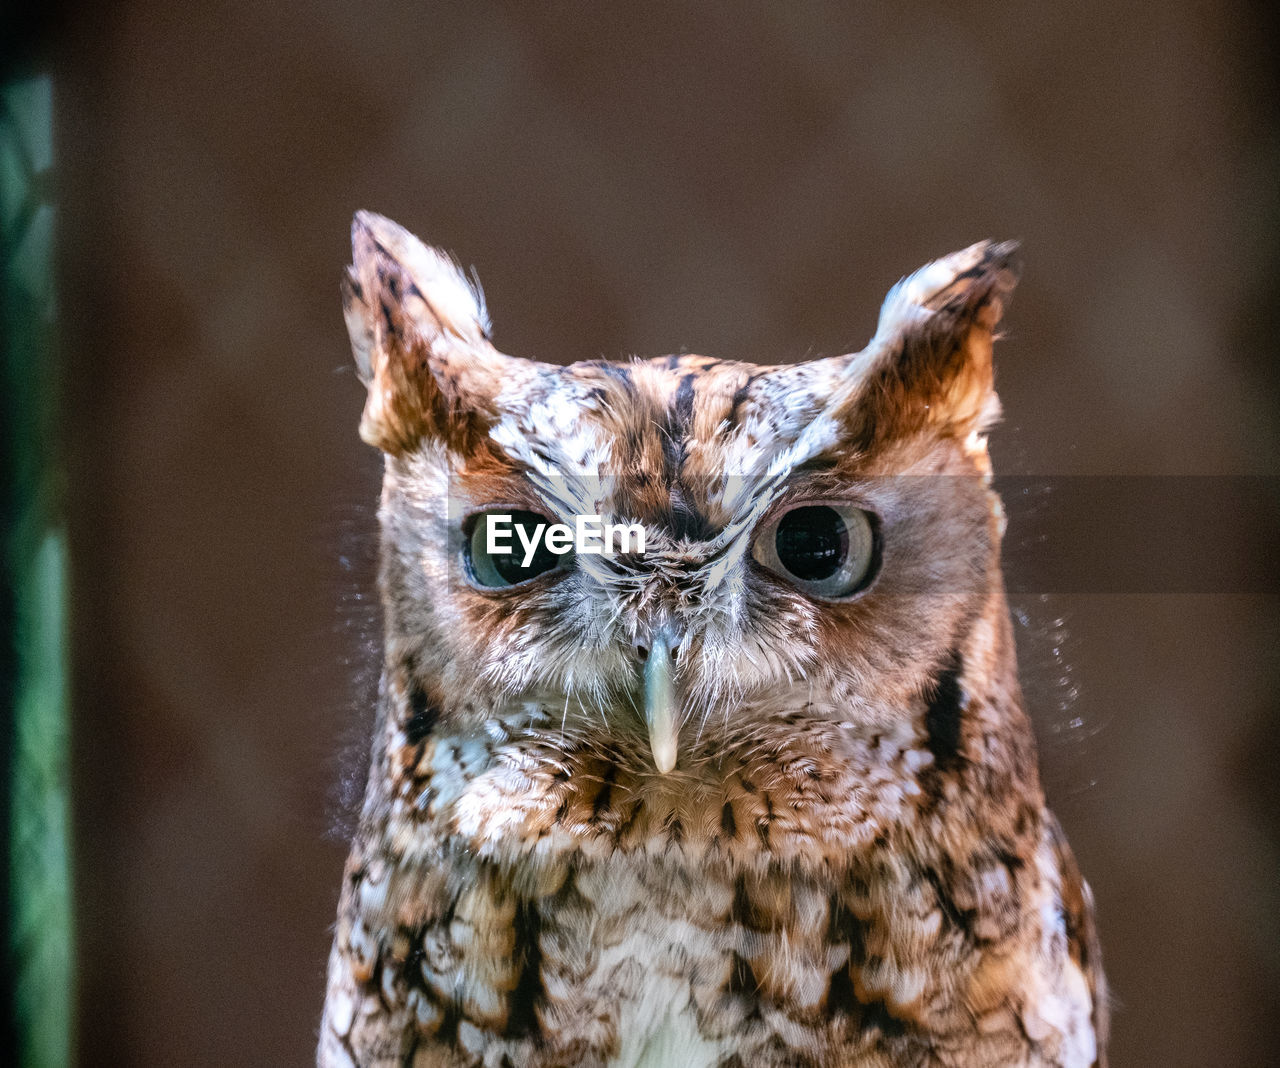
[427, 277]
[420, 336]
[929, 364]
[359, 324]
[978, 278]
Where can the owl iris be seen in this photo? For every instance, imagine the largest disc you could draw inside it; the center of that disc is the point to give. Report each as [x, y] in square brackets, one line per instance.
[825, 550]
[497, 569]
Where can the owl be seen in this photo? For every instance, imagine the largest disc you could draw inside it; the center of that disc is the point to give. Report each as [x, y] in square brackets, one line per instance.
[754, 788]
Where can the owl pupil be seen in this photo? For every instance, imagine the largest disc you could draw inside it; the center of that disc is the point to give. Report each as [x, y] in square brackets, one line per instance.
[812, 542]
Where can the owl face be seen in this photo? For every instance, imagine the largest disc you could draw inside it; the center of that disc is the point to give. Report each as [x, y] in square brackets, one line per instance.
[816, 536]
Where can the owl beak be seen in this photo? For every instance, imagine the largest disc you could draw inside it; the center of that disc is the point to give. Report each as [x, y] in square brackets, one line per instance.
[661, 711]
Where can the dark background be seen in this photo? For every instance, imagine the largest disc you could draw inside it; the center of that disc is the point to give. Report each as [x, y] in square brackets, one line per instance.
[740, 179]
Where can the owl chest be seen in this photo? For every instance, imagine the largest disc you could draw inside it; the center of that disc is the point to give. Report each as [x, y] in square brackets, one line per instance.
[589, 932]
[636, 962]
[651, 959]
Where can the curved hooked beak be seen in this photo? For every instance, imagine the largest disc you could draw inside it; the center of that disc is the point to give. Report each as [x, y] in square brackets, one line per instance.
[661, 709]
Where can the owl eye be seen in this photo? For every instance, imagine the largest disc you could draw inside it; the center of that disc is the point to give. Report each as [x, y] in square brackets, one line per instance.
[520, 548]
[827, 550]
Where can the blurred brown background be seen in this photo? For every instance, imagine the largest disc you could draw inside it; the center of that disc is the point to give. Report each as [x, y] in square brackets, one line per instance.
[741, 179]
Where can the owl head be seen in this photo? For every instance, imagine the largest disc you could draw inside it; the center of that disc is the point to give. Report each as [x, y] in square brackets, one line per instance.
[819, 540]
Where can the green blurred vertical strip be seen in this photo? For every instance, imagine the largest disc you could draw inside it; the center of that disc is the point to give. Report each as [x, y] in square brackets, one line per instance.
[36, 558]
